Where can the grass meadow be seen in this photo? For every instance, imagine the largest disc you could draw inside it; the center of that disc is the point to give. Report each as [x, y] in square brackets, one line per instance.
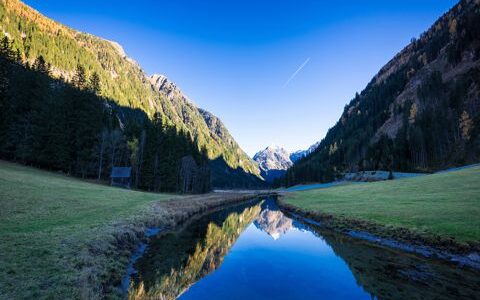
[46, 222]
[447, 204]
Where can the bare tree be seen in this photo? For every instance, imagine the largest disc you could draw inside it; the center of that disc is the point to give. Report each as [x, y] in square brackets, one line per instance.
[102, 139]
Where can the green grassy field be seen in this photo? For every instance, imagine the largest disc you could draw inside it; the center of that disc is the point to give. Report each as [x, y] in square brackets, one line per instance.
[447, 204]
[46, 221]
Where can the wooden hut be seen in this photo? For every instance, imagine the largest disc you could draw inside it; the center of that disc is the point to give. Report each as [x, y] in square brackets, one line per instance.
[120, 176]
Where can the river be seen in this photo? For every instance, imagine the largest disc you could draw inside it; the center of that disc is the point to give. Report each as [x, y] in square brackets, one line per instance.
[255, 251]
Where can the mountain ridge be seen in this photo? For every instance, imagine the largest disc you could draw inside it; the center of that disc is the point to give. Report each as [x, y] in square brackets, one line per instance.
[123, 79]
[273, 162]
[299, 154]
[418, 113]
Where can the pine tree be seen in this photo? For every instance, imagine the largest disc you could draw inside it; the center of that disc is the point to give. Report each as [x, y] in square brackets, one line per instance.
[80, 79]
[6, 49]
[94, 85]
[5, 74]
[41, 66]
[65, 126]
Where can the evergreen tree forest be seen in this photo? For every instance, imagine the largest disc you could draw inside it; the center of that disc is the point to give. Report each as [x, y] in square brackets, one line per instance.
[438, 119]
[68, 126]
[123, 81]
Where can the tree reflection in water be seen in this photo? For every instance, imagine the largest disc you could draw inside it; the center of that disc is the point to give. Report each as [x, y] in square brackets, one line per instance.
[390, 274]
[175, 261]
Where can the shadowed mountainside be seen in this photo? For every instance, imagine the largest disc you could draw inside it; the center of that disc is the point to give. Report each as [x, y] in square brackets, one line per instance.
[122, 79]
[421, 112]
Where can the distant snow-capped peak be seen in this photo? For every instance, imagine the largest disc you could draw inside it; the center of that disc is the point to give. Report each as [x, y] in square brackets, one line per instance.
[294, 156]
[273, 158]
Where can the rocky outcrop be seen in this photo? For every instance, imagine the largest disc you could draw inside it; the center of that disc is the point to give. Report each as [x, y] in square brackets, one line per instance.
[163, 85]
[216, 127]
[208, 127]
[273, 162]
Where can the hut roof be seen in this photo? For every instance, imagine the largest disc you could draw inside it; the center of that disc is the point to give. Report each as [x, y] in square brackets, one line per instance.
[121, 172]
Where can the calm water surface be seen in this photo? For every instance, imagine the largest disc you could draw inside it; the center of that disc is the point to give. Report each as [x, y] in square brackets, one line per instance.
[254, 251]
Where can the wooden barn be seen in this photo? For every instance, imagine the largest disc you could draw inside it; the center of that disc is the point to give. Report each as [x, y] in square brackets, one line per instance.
[120, 176]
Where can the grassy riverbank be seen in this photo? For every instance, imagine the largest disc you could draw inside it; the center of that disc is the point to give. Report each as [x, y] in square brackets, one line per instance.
[63, 237]
[445, 204]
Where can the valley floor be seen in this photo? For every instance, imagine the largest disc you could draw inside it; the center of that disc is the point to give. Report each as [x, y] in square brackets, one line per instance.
[61, 237]
[440, 209]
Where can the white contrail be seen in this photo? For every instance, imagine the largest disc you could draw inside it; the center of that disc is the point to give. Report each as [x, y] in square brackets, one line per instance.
[296, 72]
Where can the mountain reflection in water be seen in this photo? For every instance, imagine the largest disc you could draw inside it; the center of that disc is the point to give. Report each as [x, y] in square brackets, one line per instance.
[254, 251]
[272, 221]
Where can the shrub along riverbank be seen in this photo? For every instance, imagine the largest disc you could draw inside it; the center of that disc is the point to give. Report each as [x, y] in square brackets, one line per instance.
[61, 237]
[440, 210]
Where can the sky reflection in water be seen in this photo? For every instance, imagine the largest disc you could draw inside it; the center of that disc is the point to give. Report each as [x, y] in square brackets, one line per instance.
[253, 251]
[296, 265]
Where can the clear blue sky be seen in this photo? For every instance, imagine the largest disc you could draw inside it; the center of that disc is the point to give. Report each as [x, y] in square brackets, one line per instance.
[237, 58]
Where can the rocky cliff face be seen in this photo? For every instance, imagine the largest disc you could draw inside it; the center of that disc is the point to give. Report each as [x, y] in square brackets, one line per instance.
[218, 130]
[166, 87]
[273, 162]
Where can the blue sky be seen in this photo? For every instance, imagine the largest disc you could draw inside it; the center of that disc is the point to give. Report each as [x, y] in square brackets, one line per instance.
[276, 72]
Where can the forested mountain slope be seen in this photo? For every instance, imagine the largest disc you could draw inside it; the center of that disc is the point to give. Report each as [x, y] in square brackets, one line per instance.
[123, 82]
[69, 127]
[420, 112]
